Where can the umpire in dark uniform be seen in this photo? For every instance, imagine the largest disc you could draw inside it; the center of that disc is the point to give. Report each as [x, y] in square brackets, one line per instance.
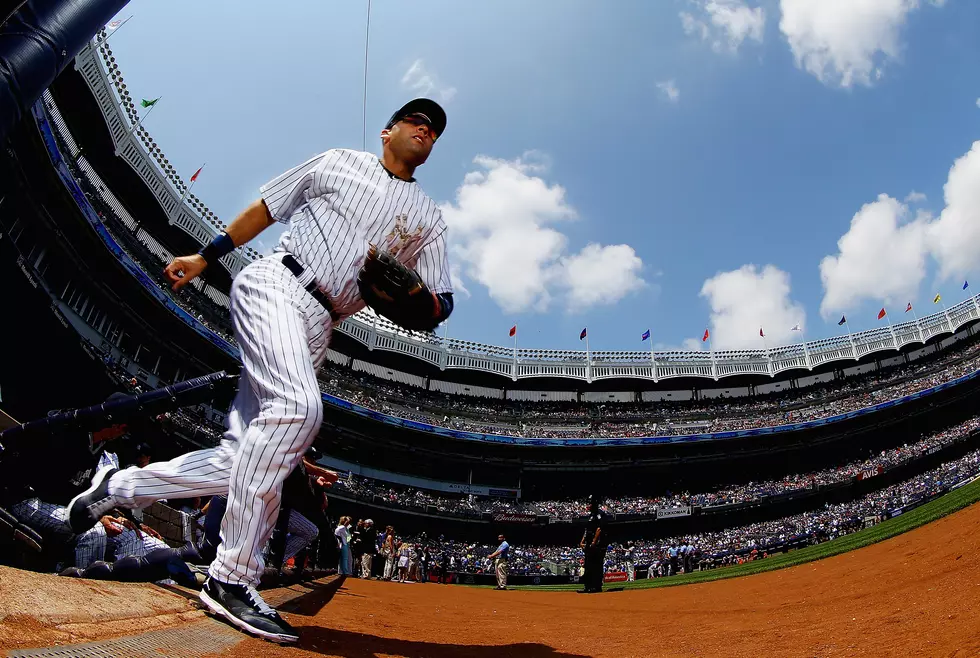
[593, 544]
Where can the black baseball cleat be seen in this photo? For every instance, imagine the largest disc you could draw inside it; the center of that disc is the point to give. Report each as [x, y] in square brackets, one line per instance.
[85, 509]
[243, 606]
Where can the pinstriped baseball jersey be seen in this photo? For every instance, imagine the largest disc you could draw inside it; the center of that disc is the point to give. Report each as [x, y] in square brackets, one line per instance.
[340, 202]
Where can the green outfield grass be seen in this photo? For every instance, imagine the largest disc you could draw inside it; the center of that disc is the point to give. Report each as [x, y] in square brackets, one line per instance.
[920, 516]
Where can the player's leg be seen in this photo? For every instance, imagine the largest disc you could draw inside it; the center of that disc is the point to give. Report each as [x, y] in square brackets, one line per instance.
[301, 531]
[283, 334]
[198, 473]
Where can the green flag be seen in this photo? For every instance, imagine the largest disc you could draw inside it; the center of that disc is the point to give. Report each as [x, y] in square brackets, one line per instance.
[146, 103]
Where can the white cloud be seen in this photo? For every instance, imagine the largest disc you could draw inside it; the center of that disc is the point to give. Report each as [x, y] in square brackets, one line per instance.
[955, 237]
[746, 299]
[885, 253]
[978, 102]
[725, 23]
[601, 275]
[845, 42]
[915, 197]
[425, 83]
[670, 90]
[503, 232]
[882, 257]
[456, 278]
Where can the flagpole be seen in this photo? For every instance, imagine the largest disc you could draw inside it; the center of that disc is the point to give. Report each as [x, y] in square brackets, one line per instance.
[187, 190]
[850, 339]
[891, 329]
[765, 346]
[588, 357]
[653, 360]
[711, 353]
[917, 326]
[806, 352]
[949, 323]
[140, 122]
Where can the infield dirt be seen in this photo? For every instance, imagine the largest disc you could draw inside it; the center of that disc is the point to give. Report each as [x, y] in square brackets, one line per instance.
[917, 594]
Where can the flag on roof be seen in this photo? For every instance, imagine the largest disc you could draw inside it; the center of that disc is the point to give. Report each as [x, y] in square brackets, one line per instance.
[646, 334]
[585, 332]
[513, 331]
[966, 284]
[761, 332]
[146, 103]
[114, 24]
[882, 313]
[909, 307]
[196, 174]
[706, 336]
[938, 299]
[843, 319]
[796, 327]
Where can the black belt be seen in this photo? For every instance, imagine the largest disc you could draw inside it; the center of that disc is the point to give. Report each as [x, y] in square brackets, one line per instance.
[293, 265]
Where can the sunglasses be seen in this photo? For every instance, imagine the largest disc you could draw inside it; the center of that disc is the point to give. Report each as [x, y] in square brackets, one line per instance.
[417, 120]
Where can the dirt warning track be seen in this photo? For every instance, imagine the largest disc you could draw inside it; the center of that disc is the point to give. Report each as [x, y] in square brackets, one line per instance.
[917, 594]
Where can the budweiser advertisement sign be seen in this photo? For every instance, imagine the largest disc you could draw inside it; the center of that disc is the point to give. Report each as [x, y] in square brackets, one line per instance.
[673, 512]
[506, 517]
[615, 577]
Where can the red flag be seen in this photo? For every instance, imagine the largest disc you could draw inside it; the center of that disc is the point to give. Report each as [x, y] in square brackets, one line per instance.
[705, 337]
[909, 307]
[881, 313]
[196, 173]
[513, 331]
[761, 333]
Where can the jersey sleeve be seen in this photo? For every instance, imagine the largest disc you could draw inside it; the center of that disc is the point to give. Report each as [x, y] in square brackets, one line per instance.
[433, 263]
[287, 192]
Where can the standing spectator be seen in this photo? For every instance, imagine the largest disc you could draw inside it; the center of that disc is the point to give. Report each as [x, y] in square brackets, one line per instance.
[369, 536]
[424, 563]
[389, 552]
[444, 567]
[357, 547]
[343, 543]
[499, 558]
[404, 555]
[673, 554]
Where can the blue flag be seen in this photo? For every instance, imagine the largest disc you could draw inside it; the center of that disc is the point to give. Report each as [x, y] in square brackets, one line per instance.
[583, 334]
[966, 284]
[843, 319]
[646, 334]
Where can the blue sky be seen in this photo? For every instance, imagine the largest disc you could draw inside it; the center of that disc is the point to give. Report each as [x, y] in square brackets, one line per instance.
[671, 165]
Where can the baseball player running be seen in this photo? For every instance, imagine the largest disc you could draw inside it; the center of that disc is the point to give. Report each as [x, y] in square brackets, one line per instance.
[361, 231]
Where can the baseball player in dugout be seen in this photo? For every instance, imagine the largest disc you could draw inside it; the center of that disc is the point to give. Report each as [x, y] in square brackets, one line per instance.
[361, 232]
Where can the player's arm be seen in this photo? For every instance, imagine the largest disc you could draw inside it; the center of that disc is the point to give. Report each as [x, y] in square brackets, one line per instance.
[255, 219]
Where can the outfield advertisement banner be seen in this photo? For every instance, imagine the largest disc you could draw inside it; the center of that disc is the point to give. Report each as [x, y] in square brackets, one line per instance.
[673, 512]
[506, 517]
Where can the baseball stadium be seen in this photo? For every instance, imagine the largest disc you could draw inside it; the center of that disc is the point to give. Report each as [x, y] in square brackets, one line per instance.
[814, 496]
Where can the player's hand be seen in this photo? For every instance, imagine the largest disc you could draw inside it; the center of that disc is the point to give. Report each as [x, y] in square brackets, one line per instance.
[111, 529]
[184, 269]
[150, 531]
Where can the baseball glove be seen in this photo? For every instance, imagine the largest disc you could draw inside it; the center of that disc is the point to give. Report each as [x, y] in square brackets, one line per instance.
[397, 292]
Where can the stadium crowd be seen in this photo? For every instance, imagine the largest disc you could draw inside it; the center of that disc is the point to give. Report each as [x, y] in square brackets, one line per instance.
[610, 420]
[571, 420]
[413, 498]
[672, 555]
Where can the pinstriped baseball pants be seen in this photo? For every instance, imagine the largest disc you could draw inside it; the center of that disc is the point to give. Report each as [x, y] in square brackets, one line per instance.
[283, 334]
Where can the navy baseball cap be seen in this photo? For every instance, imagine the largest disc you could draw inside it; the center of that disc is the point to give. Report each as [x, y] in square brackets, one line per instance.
[428, 109]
